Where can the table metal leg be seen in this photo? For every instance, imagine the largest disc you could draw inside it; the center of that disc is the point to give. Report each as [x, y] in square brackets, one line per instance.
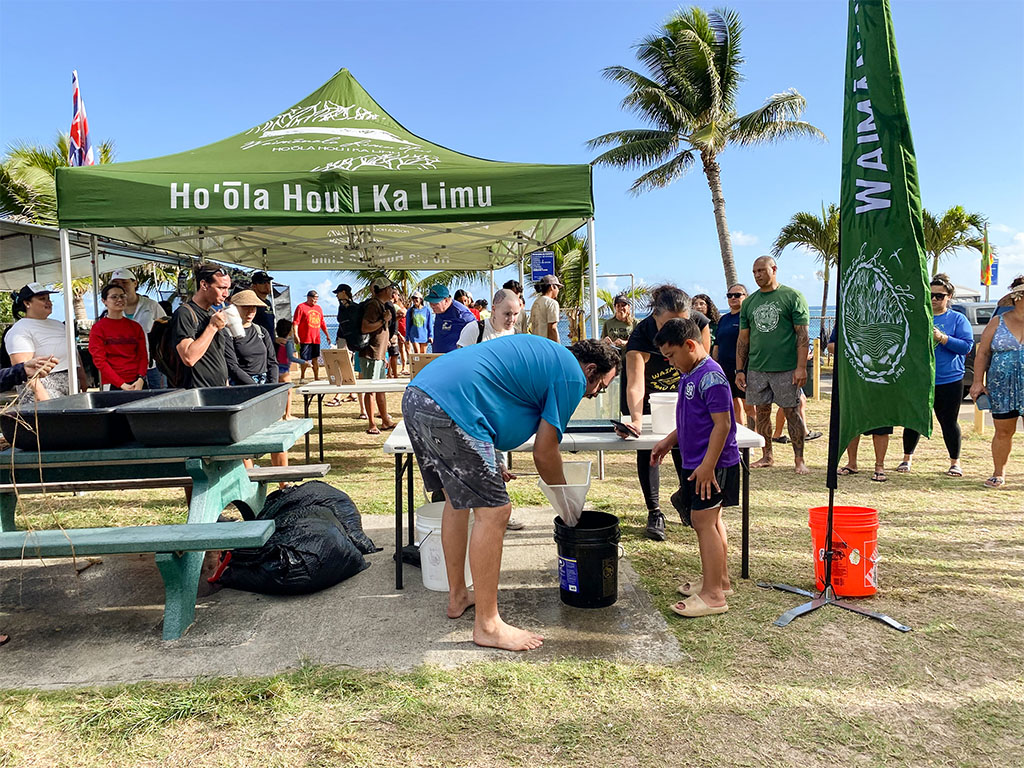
[305, 412]
[412, 522]
[398, 520]
[320, 421]
[745, 561]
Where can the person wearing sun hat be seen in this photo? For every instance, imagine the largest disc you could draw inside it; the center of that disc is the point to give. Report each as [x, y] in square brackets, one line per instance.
[36, 335]
[999, 375]
[251, 357]
[450, 317]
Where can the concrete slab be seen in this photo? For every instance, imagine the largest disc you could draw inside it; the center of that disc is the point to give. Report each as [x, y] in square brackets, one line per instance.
[103, 625]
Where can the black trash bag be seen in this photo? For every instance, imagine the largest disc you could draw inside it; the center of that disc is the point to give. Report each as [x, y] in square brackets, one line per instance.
[319, 493]
[308, 551]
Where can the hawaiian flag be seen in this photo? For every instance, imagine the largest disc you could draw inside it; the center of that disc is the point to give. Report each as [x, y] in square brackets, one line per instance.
[79, 148]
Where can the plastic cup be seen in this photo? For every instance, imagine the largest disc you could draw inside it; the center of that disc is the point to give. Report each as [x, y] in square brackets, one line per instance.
[234, 322]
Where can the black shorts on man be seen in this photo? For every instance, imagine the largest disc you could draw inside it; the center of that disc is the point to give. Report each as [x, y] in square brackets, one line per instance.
[309, 351]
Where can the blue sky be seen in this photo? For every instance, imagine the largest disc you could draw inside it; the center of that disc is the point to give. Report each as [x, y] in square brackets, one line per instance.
[521, 81]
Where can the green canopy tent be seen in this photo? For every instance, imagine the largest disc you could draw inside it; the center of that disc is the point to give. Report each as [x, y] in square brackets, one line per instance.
[332, 183]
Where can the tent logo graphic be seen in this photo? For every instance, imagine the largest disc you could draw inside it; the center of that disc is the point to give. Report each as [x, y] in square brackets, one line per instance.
[321, 112]
[875, 327]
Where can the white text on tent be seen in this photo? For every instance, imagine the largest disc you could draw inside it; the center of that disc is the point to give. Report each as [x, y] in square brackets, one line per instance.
[387, 199]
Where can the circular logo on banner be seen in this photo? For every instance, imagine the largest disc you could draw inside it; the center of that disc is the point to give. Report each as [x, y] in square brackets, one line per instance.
[875, 330]
[766, 317]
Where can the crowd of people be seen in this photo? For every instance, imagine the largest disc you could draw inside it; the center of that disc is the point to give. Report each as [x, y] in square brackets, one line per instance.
[511, 382]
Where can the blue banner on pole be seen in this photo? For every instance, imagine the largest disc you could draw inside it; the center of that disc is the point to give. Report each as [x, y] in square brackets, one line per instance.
[541, 263]
[995, 271]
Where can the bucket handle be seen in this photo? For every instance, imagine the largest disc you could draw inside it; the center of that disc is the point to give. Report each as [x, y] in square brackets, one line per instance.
[622, 551]
[424, 539]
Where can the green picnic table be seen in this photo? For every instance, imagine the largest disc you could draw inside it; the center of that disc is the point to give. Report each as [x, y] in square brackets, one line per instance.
[219, 478]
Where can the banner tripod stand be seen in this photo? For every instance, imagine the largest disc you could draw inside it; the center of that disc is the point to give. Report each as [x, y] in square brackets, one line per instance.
[827, 595]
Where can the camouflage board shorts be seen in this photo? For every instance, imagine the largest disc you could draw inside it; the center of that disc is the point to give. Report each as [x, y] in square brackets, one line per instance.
[468, 469]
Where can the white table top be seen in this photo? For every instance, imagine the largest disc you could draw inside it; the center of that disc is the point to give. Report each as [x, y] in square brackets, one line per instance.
[360, 387]
[398, 440]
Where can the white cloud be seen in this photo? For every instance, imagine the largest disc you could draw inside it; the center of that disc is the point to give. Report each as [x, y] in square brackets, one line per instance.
[324, 290]
[742, 238]
[1012, 254]
[1002, 228]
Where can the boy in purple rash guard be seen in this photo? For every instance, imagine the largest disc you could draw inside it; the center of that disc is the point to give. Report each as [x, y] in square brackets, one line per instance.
[706, 434]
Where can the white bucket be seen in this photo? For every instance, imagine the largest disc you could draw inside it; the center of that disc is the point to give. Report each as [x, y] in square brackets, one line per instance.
[663, 412]
[568, 499]
[428, 537]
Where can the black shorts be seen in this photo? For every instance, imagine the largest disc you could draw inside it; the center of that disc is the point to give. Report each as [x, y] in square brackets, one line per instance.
[1007, 415]
[393, 350]
[309, 351]
[687, 499]
[737, 393]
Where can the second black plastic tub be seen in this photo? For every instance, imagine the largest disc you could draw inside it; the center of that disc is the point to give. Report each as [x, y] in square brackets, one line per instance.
[83, 421]
[588, 560]
[207, 416]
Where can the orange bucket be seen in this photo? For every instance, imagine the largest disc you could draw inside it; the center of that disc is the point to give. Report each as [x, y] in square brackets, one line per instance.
[855, 547]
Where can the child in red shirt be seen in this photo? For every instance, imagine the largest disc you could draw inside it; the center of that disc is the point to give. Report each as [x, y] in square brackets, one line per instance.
[118, 345]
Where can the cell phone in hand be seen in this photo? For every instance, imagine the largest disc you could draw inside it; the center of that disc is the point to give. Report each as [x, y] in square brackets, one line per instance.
[627, 428]
[983, 402]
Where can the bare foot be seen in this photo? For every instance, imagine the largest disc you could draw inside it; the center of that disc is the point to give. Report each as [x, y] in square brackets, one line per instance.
[802, 469]
[457, 605]
[766, 461]
[506, 636]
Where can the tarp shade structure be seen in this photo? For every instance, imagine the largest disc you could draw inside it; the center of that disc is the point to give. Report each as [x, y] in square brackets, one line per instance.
[31, 253]
[333, 182]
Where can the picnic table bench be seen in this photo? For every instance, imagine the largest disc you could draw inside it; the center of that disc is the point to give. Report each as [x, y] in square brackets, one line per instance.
[179, 551]
[218, 477]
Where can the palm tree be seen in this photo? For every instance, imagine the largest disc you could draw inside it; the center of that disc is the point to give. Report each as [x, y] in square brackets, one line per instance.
[638, 294]
[689, 99]
[956, 230]
[572, 256]
[409, 280]
[28, 192]
[820, 236]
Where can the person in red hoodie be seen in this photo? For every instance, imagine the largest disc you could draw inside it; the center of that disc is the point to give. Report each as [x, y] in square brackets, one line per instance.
[118, 345]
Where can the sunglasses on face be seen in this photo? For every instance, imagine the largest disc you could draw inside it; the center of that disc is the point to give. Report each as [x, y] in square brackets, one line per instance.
[939, 296]
[735, 295]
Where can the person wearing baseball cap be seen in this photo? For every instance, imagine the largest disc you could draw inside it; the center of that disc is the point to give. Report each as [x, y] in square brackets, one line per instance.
[545, 312]
[36, 335]
[144, 311]
[450, 317]
[307, 325]
[378, 318]
[263, 287]
[616, 330]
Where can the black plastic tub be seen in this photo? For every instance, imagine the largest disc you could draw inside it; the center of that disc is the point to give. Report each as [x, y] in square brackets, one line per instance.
[84, 421]
[208, 416]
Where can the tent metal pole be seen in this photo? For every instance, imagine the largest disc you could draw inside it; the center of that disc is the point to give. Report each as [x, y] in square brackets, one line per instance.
[489, 298]
[593, 277]
[93, 252]
[69, 311]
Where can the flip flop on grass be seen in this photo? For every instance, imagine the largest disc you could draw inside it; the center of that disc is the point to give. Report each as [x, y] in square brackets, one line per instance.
[847, 470]
[955, 471]
[373, 431]
[903, 466]
[694, 607]
[879, 476]
[995, 482]
[691, 588]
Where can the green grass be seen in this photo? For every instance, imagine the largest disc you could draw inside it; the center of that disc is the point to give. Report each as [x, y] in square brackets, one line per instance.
[832, 688]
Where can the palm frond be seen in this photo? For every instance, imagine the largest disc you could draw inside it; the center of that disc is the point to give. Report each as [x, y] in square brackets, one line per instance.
[665, 174]
[776, 119]
[818, 235]
[728, 60]
[637, 148]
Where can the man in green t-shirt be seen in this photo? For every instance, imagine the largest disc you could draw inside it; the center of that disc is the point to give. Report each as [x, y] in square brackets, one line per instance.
[616, 329]
[770, 357]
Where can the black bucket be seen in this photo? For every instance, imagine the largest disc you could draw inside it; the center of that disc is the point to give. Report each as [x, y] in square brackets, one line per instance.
[588, 560]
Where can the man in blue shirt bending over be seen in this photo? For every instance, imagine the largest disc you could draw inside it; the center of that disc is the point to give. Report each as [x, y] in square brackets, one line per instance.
[450, 317]
[465, 408]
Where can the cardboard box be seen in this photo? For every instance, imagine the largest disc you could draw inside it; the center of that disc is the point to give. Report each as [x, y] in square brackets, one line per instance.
[420, 360]
[339, 366]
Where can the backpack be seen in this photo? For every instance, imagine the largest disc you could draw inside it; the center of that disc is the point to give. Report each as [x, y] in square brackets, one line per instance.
[165, 353]
[353, 326]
